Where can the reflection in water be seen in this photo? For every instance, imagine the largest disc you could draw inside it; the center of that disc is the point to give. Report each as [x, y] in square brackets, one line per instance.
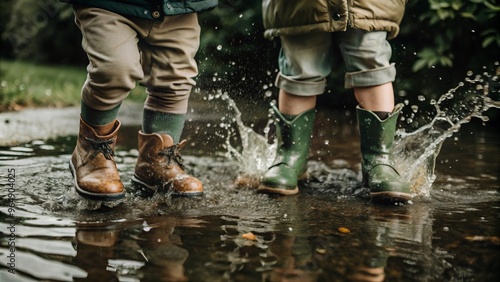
[150, 251]
[93, 250]
[291, 248]
[405, 235]
[390, 243]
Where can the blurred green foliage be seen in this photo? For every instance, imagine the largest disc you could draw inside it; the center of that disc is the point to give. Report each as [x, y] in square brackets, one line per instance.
[440, 41]
[472, 24]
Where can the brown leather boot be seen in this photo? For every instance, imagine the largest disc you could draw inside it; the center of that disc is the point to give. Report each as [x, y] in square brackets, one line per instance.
[93, 165]
[159, 166]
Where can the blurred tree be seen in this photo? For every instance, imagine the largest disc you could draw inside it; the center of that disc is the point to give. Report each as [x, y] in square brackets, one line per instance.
[40, 32]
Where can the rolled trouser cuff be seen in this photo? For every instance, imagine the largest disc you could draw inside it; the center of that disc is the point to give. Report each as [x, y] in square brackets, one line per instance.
[371, 77]
[300, 88]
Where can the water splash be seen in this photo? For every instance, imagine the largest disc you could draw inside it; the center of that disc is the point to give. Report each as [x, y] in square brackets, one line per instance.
[255, 154]
[71, 200]
[415, 152]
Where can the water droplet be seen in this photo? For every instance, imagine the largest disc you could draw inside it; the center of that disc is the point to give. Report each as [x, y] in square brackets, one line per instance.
[421, 98]
[145, 226]
[219, 47]
[327, 142]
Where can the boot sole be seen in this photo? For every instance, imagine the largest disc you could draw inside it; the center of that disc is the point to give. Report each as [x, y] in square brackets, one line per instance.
[390, 197]
[282, 191]
[152, 189]
[93, 196]
[277, 190]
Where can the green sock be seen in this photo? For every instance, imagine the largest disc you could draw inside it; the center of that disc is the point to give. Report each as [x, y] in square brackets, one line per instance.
[95, 117]
[158, 122]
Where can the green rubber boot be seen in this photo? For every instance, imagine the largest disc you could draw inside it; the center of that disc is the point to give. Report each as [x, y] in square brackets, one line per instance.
[379, 174]
[290, 164]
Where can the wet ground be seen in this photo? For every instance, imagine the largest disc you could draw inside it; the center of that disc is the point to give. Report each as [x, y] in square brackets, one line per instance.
[328, 232]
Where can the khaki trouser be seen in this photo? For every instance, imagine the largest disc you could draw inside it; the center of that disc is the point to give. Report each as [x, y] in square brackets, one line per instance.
[306, 60]
[125, 50]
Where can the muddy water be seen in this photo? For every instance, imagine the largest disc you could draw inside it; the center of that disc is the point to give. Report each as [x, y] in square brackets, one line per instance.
[328, 232]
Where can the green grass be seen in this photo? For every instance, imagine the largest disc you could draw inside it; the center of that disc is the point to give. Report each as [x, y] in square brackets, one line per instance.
[26, 85]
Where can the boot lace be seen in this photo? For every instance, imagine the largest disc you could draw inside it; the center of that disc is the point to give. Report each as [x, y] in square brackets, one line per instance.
[172, 153]
[102, 147]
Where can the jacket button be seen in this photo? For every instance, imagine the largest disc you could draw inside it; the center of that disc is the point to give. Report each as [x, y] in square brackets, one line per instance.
[336, 17]
[155, 14]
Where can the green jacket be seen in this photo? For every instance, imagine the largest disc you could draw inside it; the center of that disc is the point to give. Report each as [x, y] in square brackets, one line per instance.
[289, 17]
[149, 9]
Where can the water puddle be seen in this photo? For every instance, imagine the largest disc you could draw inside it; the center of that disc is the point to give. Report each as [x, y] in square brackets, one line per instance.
[328, 232]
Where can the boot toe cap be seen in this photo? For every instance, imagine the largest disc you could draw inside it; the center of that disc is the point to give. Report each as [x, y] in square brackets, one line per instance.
[188, 187]
[98, 186]
[280, 179]
[280, 176]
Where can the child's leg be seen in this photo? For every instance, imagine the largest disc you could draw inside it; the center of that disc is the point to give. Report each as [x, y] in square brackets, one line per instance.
[110, 42]
[290, 104]
[168, 53]
[304, 63]
[370, 73]
[378, 98]
[170, 68]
